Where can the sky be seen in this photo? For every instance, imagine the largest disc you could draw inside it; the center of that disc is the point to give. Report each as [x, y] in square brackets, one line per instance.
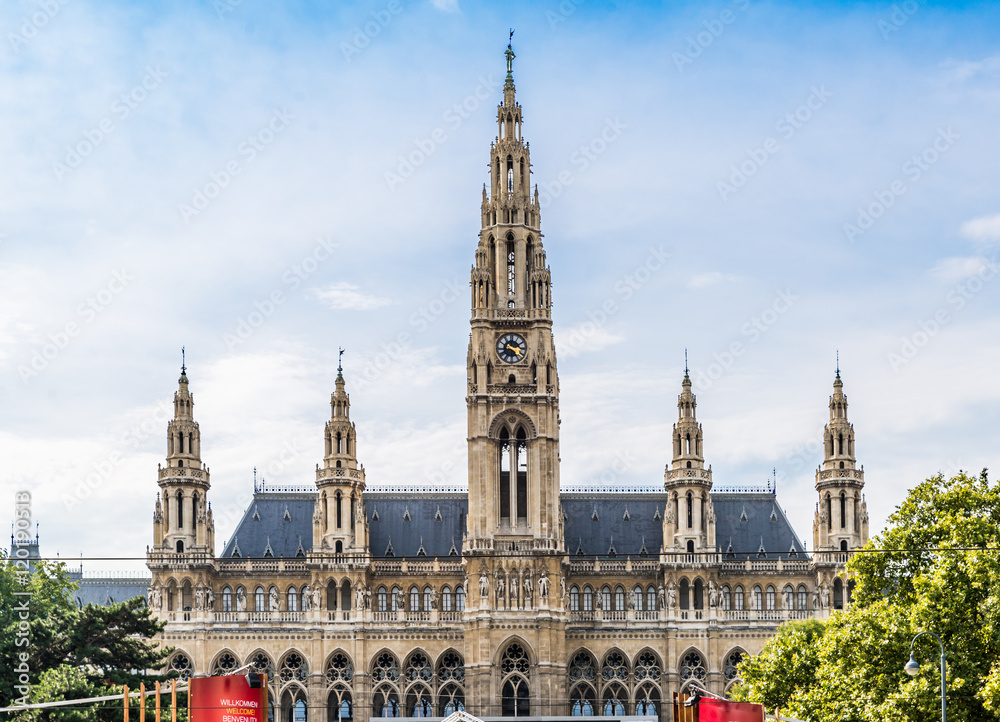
[764, 184]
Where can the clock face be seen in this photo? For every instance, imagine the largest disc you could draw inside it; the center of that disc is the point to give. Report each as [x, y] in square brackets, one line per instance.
[511, 348]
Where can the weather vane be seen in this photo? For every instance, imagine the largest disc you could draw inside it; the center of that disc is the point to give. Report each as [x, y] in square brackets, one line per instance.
[340, 360]
[511, 37]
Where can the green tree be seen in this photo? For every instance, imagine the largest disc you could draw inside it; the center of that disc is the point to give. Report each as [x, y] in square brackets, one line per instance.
[66, 650]
[787, 664]
[936, 568]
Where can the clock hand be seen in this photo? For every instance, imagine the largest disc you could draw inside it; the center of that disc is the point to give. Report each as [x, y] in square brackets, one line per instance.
[515, 349]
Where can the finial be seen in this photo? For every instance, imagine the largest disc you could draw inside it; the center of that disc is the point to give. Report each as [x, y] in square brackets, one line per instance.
[510, 56]
[685, 362]
[838, 363]
[183, 361]
[340, 362]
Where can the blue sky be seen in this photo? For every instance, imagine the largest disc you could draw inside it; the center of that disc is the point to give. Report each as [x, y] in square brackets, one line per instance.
[819, 177]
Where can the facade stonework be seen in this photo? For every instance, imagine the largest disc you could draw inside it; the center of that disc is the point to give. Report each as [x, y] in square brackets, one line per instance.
[513, 595]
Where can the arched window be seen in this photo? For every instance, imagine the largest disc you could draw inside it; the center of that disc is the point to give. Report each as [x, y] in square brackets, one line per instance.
[727, 599]
[574, 599]
[382, 600]
[650, 599]
[647, 701]
[504, 477]
[510, 174]
[606, 599]
[770, 598]
[699, 594]
[637, 598]
[340, 705]
[414, 599]
[225, 664]
[685, 594]
[418, 701]
[396, 598]
[428, 599]
[758, 598]
[843, 510]
[180, 546]
[582, 683]
[690, 505]
[292, 600]
[738, 599]
[511, 268]
[838, 593]
[385, 694]
[340, 513]
[459, 599]
[515, 694]
[731, 667]
[227, 599]
[582, 701]
[788, 597]
[801, 594]
[259, 600]
[446, 599]
[647, 667]
[588, 599]
[619, 599]
[522, 476]
[451, 677]
[692, 667]
[181, 664]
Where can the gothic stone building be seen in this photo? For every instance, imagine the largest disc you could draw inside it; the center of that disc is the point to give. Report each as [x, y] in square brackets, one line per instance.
[510, 596]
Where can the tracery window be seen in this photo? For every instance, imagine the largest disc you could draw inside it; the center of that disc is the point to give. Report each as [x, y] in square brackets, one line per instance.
[224, 664]
[293, 667]
[181, 663]
[385, 695]
[730, 669]
[610, 692]
[692, 667]
[583, 685]
[418, 667]
[451, 678]
[515, 693]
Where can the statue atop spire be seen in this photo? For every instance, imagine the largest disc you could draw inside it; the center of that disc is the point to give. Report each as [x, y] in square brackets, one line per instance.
[510, 58]
[340, 363]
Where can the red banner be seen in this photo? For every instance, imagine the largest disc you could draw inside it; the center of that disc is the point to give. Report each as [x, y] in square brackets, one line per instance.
[713, 710]
[226, 699]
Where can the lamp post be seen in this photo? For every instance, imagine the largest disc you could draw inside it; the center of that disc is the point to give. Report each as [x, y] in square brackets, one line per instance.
[912, 668]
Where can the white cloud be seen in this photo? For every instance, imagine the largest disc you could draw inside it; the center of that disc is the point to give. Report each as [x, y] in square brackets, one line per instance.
[984, 230]
[343, 296]
[709, 279]
[583, 338]
[953, 270]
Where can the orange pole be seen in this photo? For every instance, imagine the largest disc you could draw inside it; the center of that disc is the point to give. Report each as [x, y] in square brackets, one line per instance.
[126, 703]
[157, 702]
[263, 684]
[173, 700]
[142, 702]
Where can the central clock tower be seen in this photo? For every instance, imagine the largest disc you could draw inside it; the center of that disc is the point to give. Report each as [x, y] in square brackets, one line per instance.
[513, 387]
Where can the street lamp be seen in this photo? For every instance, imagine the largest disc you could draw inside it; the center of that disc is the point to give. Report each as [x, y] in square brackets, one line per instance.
[912, 668]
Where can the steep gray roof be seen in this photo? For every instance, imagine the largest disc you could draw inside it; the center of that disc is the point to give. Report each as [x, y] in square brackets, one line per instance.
[104, 591]
[747, 522]
[407, 521]
[595, 524]
[276, 520]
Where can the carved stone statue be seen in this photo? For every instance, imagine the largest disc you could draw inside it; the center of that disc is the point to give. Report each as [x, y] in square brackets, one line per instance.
[786, 599]
[562, 586]
[484, 585]
[661, 596]
[359, 598]
[630, 601]
[149, 597]
[241, 600]
[670, 513]
[501, 584]
[434, 599]
[815, 599]
[543, 586]
[528, 584]
[399, 599]
[713, 595]
[826, 596]
[273, 600]
[599, 600]
[368, 598]
[199, 598]
[209, 598]
[671, 596]
[316, 598]
[306, 598]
